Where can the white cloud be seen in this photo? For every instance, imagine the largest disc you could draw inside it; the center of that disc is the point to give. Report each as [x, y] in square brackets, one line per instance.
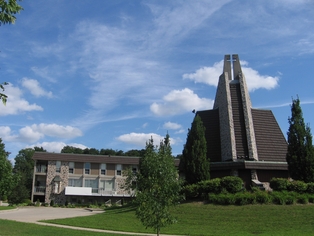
[206, 75]
[27, 134]
[181, 131]
[171, 125]
[210, 76]
[16, 104]
[33, 133]
[56, 146]
[180, 101]
[5, 133]
[140, 139]
[35, 89]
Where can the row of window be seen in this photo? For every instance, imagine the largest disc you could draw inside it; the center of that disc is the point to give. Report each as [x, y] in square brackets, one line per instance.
[107, 185]
[87, 168]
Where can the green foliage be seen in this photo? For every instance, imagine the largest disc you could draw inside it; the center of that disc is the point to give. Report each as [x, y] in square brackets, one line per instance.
[158, 186]
[232, 184]
[8, 10]
[210, 186]
[300, 154]
[191, 191]
[6, 176]
[194, 161]
[279, 184]
[297, 186]
[245, 198]
[310, 188]
[262, 197]
[3, 97]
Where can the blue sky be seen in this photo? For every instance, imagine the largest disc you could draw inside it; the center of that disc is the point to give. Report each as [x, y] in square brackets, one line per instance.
[111, 74]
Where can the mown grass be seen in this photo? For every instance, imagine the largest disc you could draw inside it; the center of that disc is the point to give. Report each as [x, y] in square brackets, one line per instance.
[7, 207]
[12, 228]
[208, 219]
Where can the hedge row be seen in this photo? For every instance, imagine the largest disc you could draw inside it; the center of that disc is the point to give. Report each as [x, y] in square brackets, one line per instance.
[260, 197]
[281, 184]
[228, 184]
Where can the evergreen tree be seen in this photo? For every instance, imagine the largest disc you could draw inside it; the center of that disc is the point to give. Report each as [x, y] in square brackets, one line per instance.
[194, 161]
[158, 187]
[300, 154]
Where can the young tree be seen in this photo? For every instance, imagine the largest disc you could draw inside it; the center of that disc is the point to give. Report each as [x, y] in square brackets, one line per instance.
[158, 187]
[194, 161]
[300, 154]
[6, 176]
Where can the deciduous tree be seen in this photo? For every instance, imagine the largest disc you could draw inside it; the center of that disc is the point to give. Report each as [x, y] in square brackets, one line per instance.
[9, 8]
[158, 187]
[6, 175]
[300, 154]
[194, 161]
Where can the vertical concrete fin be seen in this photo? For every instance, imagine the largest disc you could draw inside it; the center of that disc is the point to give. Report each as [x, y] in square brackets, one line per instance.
[227, 66]
[237, 71]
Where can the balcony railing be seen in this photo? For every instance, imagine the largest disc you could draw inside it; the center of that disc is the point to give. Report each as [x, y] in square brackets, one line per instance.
[41, 169]
[40, 189]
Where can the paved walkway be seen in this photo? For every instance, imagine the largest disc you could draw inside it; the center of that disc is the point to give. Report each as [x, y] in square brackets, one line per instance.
[34, 214]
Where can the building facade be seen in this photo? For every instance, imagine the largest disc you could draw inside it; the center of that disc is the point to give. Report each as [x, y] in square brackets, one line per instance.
[75, 178]
[242, 141]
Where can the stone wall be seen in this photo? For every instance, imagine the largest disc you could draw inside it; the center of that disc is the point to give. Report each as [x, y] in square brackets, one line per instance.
[247, 106]
[50, 194]
[223, 103]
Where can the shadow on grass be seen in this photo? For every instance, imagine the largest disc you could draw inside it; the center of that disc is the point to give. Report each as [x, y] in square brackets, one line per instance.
[120, 209]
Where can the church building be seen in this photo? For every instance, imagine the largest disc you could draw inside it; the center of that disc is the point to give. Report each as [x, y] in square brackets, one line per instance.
[242, 141]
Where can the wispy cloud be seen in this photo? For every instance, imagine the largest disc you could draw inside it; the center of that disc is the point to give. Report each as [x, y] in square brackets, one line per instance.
[171, 125]
[33, 86]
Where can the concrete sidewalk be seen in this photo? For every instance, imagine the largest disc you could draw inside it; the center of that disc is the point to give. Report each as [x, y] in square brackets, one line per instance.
[34, 214]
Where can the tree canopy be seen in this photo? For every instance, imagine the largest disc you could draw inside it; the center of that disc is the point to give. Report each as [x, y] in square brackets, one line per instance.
[9, 8]
[300, 154]
[194, 161]
[6, 175]
[158, 187]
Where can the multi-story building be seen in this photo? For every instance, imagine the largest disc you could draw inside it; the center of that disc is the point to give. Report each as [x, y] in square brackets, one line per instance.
[82, 178]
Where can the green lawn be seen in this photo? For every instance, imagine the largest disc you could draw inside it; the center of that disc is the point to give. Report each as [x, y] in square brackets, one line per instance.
[12, 228]
[6, 208]
[207, 219]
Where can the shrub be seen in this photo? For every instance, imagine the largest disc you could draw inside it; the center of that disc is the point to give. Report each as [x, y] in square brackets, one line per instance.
[310, 188]
[262, 197]
[52, 203]
[232, 184]
[210, 186]
[28, 202]
[297, 186]
[279, 184]
[244, 198]
[278, 197]
[311, 198]
[191, 191]
[37, 203]
[302, 199]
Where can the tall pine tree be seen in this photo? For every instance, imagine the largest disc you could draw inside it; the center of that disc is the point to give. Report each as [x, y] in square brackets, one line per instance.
[300, 154]
[195, 163]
